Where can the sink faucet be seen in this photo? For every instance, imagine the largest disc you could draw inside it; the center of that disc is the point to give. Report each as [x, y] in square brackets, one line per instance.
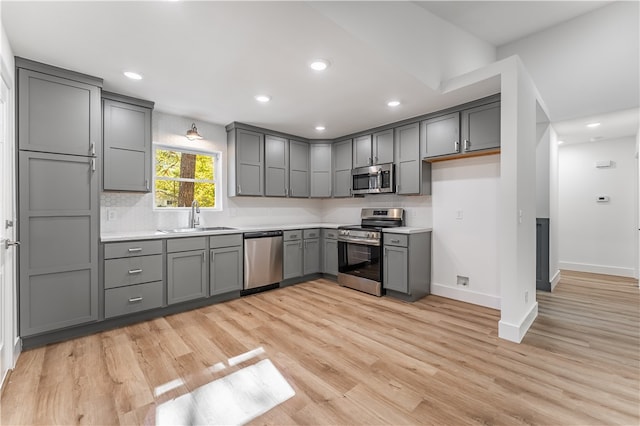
[193, 219]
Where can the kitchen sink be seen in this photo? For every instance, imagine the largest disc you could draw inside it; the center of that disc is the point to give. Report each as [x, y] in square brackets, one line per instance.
[192, 230]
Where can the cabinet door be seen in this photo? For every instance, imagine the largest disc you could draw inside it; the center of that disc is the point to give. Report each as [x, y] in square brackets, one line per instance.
[127, 146]
[59, 234]
[276, 164]
[396, 269]
[362, 151]
[186, 276]
[481, 127]
[250, 162]
[408, 161]
[330, 257]
[292, 259]
[298, 169]
[342, 155]
[311, 256]
[383, 147]
[225, 272]
[320, 162]
[441, 135]
[58, 115]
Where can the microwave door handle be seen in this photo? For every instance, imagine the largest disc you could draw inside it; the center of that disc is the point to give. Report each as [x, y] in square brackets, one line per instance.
[379, 178]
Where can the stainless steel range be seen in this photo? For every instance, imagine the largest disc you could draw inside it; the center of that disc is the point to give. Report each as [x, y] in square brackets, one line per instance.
[360, 248]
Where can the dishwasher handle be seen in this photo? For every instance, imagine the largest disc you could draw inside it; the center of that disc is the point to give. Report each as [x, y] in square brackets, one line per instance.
[262, 234]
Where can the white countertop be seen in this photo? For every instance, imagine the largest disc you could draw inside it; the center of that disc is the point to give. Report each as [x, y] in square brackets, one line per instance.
[108, 237]
[406, 230]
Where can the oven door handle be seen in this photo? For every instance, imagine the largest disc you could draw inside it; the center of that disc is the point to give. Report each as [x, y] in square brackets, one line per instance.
[361, 242]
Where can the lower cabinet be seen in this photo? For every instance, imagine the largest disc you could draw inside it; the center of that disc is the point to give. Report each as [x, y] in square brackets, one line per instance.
[407, 265]
[186, 269]
[225, 270]
[330, 251]
[135, 298]
[292, 260]
[311, 247]
[301, 253]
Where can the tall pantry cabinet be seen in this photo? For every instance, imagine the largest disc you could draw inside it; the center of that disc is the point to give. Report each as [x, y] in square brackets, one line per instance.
[59, 138]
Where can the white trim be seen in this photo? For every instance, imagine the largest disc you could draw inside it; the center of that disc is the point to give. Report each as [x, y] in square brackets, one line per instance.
[598, 269]
[5, 74]
[515, 332]
[555, 280]
[465, 295]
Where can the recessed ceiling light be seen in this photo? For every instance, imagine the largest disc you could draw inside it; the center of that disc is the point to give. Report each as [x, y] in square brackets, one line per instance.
[393, 103]
[592, 125]
[319, 64]
[560, 142]
[320, 128]
[263, 98]
[133, 75]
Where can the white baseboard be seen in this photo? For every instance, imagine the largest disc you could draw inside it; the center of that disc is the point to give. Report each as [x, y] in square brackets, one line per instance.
[555, 280]
[515, 332]
[465, 295]
[598, 269]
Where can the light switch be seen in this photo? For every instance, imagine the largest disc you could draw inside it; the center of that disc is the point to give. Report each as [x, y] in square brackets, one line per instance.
[459, 214]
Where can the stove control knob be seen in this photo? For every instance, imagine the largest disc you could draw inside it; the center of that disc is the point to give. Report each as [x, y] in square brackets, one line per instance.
[371, 235]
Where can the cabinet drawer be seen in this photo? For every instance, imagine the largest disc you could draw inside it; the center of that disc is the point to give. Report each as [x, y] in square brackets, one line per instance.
[311, 233]
[132, 248]
[135, 298]
[396, 240]
[186, 244]
[219, 241]
[330, 234]
[292, 235]
[132, 270]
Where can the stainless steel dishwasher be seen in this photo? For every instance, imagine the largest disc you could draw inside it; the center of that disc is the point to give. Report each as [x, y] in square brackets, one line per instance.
[262, 261]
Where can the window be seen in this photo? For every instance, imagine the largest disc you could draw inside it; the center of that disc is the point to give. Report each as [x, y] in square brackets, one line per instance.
[181, 176]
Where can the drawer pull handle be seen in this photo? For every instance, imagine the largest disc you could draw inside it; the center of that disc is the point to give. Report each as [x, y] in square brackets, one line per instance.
[135, 299]
[395, 241]
[135, 271]
[135, 250]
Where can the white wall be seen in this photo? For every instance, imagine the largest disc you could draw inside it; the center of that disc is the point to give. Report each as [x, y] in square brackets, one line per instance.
[554, 215]
[466, 246]
[598, 237]
[543, 174]
[418, 209]
[135, 212]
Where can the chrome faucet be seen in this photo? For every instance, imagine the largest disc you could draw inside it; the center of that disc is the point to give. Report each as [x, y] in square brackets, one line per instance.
[193, 219]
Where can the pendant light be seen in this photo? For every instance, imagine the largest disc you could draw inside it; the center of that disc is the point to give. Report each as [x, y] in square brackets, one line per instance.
[192, 133]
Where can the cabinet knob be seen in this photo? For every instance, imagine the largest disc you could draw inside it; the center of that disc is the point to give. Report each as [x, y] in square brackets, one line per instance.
[467, 145]
[456, 146]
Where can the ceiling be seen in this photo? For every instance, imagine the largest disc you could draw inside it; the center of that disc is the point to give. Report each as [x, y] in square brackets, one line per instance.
[207, 60]
[613, 125]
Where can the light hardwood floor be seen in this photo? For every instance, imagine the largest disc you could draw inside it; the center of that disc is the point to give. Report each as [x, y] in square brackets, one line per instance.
[356, 359]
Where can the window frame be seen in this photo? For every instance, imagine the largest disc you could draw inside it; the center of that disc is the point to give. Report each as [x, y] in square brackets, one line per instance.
[217, 164]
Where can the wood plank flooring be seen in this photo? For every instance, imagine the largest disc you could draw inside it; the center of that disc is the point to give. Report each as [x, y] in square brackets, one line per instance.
[356, 359]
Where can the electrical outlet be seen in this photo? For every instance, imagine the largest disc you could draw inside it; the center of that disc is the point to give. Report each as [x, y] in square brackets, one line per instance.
[463, 281]
[111, 214]
[459, 214]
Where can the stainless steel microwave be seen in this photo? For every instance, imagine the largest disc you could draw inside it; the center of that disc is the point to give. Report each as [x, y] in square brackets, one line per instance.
[373, 179]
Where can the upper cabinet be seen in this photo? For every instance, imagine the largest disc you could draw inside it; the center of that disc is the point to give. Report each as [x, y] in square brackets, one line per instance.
[481, 127]
[298, 169]
[276, 168]
[58, 113]
[246, 162]
[127, 143]
[413, 176]
[376, 148]
[441, 135]
[320, 170]
[342, 152]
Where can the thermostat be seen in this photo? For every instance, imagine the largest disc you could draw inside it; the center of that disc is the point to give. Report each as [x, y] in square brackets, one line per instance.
[603, 198]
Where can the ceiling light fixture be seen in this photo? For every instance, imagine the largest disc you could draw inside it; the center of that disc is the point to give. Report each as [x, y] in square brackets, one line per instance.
[263, 98]
[319, 64]
[560, 142]
[133, 75]
[592, 125]
[393, 104]
[320, 128]
[192, 133]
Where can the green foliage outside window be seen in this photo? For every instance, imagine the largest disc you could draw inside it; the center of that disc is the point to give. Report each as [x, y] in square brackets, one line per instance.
[181, 177]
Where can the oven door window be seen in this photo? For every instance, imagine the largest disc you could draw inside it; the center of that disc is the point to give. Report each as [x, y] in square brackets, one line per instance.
[359, 260]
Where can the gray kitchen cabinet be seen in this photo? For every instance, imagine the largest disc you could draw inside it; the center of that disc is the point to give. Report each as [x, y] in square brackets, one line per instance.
[413, 176]
[298, 169]
[292, 259]
[441, 136]
[226, 259]
[58, 110]
[311, 249]
[373, 149]
[342, 160]
[276, 166]
[330, 251]
[481, 127]
[407, 265]
[362, 151]
[320, 170]
[186, 269]
[127, 143]
[246, 162]
[59, 136]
